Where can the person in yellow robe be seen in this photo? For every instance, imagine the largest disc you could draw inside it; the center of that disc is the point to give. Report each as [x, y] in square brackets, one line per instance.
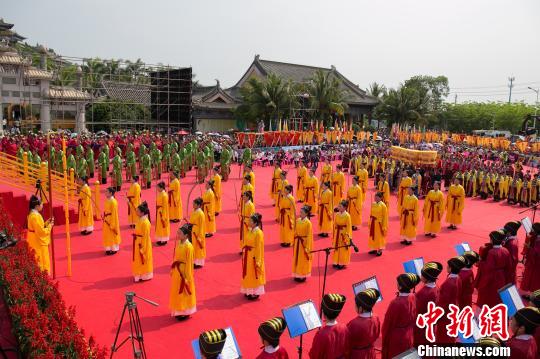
[326, 171]
[217, 190]
[287, 216]
[39, 234]
[246, 210]
[142, 265]
[311, 189]
[355, 198]
[433, 211]
[378, 226]
[175, 199]
[248, 171]
[408, 218]
[301, 174]
[182, 298]
[362, 174]
[326, 208]
[86, 209]
[274, 186]
[405, 183]
[302, 245]
[198, 231]
[384, 188]
[208, 209]
[283, 182]
[338, 184]
[455, 202]
[253, 269]
[134, 199]
[342, 236]
[247, 187]
[111, 223]
[163, 226]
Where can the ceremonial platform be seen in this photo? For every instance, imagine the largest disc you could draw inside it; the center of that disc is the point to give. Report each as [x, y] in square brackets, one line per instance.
[99, 282]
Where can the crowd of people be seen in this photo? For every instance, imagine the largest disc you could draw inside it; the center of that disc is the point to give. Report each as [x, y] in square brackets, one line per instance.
[336, 198]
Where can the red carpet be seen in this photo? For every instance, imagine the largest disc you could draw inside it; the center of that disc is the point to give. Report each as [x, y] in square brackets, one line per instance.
[98, 283]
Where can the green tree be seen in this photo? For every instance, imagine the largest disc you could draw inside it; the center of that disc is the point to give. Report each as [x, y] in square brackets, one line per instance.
[377, 90]
[326, 96]
[405, 105]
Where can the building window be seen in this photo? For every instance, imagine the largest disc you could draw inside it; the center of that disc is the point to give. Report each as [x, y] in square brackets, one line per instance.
[26, 94]
[9, 80]
[15, 93]
[36, 94]
[5, 93]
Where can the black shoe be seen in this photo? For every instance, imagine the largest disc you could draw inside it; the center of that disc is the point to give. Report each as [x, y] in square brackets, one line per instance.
[372, 252]
[181, 318]
[334, 265]
[283, 244]
[433, 235]
[403, 242]
[340, 267]
[161, 243]
[216, 214]
[174, 220]
[113, 253]
[131, 226]
[379, 253]
[208, 235]
[408, 243]
[354, 228]
[84, 233]
[196, 266]
[108, 253]
[450, 227]
[299, 280]
[148, 185]
[428, 234]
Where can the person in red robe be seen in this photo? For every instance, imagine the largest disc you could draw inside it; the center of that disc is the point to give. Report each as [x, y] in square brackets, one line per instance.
[364, 330]
[523, 325]
[330, 342]
[511, 229]
[531, 254]
[467, 279]
[449, 293]
[428, 293]
[534, 299]
[211, 343]
[400, 318]
[494, 270]
[270, 331]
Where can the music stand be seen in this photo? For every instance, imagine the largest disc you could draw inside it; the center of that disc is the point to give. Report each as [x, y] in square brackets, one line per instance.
[414, 266]
[409, 354]
[301, 318]
[510, 297]
[473, 338]
[370, 282]
[230, 350]
[462, 248]
[532, 208]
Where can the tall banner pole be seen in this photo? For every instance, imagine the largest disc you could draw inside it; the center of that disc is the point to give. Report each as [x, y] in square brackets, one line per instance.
[49, 164]
[66, 207]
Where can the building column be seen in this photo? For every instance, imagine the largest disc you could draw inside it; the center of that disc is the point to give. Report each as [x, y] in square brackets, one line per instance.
[80, 119]
[2, 119]
[45, 116]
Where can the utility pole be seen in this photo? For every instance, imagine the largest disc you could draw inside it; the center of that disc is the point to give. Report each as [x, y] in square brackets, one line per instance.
[455, 99]
[511, 79]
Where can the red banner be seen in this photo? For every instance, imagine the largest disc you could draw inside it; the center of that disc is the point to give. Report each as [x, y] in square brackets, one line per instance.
[283, 138]
[296, 138]
[241, 136]
[251, 139]
[269, 138]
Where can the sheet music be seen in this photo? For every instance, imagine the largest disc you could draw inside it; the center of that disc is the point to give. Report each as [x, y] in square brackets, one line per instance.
[418, 265]
[229, 350]
[368, 283]
[466, 246]
[527, 225]
[310, 315]
[516, 298]
[475, 330]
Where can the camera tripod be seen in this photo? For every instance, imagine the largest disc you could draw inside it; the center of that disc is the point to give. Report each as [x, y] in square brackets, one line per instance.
[136, 333]
[40, 193]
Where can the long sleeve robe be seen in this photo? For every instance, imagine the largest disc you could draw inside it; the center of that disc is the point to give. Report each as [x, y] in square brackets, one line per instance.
[208, 209]
[198, 238]
[342, 236]
[287, 214]
[141, 259]
[330, 342]
[163, 226]
[433, 211]
[175, 200]
[449, 293]
[134, 199]
[455, 202]
[531, 272]
[363, 333]
[408, 220]
[39, 238]
[425, 295]
[182, 298]
[355, 196]
[302, 245]
[467, 287]
[398, 326]
[86, 210]
[325, 211]
[253, 268]
[378, 226]
[111, 225]
[494, 272]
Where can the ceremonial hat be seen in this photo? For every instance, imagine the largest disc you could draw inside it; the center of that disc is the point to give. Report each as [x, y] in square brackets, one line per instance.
[272, 329]
[536, 227]
[497, 237]
[431, 270]
[457, 263]
[367, 298]
[211, 342]
[332, 304]
[534, 298]
[512, 227]
[471, 257]
[528, 317]
[408, 280]
[489, 342]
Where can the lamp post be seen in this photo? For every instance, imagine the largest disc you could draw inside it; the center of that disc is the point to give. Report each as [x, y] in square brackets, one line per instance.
[536, 104]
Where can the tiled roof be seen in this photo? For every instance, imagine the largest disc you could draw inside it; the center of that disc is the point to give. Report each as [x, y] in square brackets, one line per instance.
[13, 59]
[67, 93]
[35, 73]
[127, 92]
[5, 25]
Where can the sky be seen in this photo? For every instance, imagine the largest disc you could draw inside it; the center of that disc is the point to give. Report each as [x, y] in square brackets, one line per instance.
[477, 44]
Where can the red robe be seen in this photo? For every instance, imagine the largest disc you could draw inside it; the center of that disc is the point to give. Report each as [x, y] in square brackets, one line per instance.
[423, 297]
[281, 353]
[449, 293]
[522, 348]
[537, 339]
[330, 342]
[512, 247]
[363, 332]
[398, 326]
[531, 272]
[467, 287]
[493, 273]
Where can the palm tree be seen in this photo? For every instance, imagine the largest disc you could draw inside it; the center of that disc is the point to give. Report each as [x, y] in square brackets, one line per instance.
[376, 90]
[326, 96]
[404, 105]
[94, 70]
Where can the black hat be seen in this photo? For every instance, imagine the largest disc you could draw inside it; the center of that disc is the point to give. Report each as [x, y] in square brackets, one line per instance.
[534, 298]
[211, 342]
[471, 257]
[457, 263]
[272, 329]
[529, 317]
[489, 342]
[497, 237]
[512, 227]
[408, 280]
[367, 298]
[432, 270]
[332, 304]
[536, 227]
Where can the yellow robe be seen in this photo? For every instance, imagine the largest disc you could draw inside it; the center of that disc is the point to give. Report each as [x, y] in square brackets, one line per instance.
[433, 211]
[287, 213]
[384, 188]
[355, 196]
[208, 209]
[362, 174]
[311, 187]
[245, 188]
[141, 258]
[408, 219]
[252, 178]
[163, 226]
[182, 299]
[39, 238]
[247, 210]
[342, 236]
[325, 210]
[405, 183]
[281, 188]
[134, 199]
[303, 243]
[276, 178]
[338, 185]
[301, 175]
[378, 226]
[455, 202]
[175, 200]
[326, 173]
[253, 271]
[111, 225]
[86, 210]
[217, 193]
[198, 239]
